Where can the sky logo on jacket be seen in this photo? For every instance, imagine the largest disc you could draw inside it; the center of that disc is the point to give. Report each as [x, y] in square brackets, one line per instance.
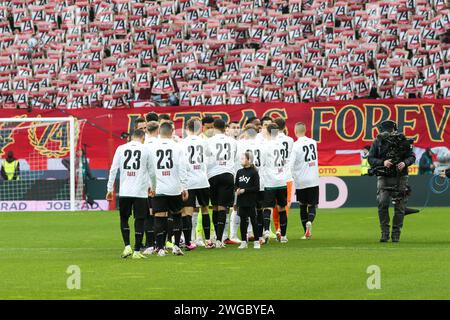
[244, 179]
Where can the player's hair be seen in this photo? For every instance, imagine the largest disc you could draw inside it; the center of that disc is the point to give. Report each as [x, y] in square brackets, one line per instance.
[271, 128]
[194, 125]
[163, 116]
[166, 129]
[250, 120]
[251, 130]
[250, 157]
[207, 120]
[235, 122]
[300, 126]
[266, 118]
[151, 116]
[138, 121]
[281, 123]
[152, 126]
[138, 134]
[219, 124]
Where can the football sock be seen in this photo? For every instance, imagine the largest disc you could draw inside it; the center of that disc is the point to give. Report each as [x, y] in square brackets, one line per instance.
[283, 222]
[169, 229]
[311, 213]
[187, 229]
[266, 217]
[234, 224]
[160, 226]
[221, 219]
[226, 226]
[194, 222]
[215, 215]
[138, 233]
[206, 223]
[304, 215]
[176, 228]
[125, 230]
[149, 231]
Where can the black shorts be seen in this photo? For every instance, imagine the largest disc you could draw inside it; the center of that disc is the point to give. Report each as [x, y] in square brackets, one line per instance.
[136, 206]
[260, 200]
[163, 203]
[222, 190]
[197, 195]
[273, 197]
[308, 195]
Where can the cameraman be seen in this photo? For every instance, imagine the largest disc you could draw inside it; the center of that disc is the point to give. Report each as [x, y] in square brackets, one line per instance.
[392, 159]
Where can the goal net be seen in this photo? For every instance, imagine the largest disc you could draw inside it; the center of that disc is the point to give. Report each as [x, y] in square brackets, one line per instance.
[41, 164]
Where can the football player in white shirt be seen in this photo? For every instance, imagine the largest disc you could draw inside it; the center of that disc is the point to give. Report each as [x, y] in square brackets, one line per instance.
[305, 169]
[165, 118]
[275, 181]
[169, 180]
[194, 146]
[207, 127]
[288, 143]
[221, 153]
[262, 135]
[233, 223]
[140, 124]
[132, 159]
[200, 220]
[150, 137]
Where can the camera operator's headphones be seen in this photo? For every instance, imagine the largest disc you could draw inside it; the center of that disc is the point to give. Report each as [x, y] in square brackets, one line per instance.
[388, 126]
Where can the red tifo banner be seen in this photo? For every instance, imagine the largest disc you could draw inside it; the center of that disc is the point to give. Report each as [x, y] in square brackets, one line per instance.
[342, 128]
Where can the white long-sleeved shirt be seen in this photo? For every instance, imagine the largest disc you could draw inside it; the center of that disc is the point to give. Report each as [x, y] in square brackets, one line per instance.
[132, 159]
[288, 144]
[194, 148]
[305, 163]
[169, 175]
[273, 166]
[221, 153]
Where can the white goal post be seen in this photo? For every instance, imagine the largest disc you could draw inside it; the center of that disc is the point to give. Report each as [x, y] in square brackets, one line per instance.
[37, 161]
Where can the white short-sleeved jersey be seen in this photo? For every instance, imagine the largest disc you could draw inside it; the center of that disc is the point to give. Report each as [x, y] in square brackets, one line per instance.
[255, 148]
[132, 159]
[305, 163]
[287, 143]
[194, 148]
[221, 153]
[169, 174]
[273, 167]
[149, 141]
[260, 137]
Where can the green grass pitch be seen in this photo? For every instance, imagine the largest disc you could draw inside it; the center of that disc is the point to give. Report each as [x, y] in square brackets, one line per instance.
[37, 248]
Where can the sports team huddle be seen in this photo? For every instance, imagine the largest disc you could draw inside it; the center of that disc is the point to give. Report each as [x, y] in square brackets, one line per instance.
[169, 184]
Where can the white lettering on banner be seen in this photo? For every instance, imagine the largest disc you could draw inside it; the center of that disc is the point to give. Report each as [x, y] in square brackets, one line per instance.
[342, 192]
[12, 206]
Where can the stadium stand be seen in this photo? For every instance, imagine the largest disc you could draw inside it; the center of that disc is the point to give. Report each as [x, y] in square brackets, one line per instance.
[91, 53]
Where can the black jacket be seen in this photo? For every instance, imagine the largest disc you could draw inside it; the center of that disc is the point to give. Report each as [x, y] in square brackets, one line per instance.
[447, 173]
[378, 154]
[247, 179]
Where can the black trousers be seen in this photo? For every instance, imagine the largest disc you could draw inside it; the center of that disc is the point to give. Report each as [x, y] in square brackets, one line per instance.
[384, 199]
[246, 214]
